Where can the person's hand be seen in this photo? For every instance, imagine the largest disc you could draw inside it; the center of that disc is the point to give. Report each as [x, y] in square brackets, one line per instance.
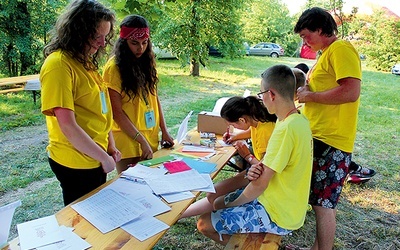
[115, 153]
[302, 93]
[254, 172]
[242, 148]
[167, 139]
[108, 164]
[147, 152]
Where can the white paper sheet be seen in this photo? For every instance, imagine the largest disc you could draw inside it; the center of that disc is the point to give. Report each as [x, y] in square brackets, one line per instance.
[210, 188]
[107, 210]
[72, 241]
[178, 182]
[140, 171]
[200, 149]
[140, 193]
[6, 215]
[144, 227]
[174, 197]
[39, 232]
[183, 129]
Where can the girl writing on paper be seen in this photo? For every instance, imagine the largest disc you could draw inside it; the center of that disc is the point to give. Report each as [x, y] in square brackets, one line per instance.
[243, 113]
[132, 80]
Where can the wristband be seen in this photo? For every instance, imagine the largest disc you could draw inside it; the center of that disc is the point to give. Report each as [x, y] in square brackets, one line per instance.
[251, 157]
[136, 136]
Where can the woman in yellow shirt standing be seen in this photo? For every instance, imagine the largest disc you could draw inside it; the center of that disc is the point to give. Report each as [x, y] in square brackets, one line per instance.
[132, 80]
[75, 100]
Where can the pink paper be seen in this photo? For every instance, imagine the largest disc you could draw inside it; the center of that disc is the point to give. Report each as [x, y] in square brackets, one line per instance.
[176, 166]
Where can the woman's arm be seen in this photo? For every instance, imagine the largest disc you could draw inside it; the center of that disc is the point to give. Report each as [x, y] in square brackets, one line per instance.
[81, 140]
[127, 126]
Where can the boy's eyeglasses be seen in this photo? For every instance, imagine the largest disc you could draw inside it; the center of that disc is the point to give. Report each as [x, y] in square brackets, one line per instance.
[260, 95]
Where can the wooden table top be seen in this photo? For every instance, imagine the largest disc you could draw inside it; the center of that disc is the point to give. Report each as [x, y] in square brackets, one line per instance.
[118, 238]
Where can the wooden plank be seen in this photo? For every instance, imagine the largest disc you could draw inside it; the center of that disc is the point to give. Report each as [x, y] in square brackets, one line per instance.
[17, 79]
[254, 241]
[5, 91]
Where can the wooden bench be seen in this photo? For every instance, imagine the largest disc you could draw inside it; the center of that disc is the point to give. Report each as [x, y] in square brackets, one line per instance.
[254, 241]
[18, 83]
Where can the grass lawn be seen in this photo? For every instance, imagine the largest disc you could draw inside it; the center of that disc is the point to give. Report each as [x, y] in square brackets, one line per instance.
[367, 216]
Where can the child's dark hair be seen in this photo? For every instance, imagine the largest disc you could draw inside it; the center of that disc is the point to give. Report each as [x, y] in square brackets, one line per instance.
[237, 106]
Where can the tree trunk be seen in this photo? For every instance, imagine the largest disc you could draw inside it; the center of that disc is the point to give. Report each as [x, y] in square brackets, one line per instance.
[194, 68]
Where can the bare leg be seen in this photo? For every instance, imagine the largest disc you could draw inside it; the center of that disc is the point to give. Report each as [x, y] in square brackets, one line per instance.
[205, 205]
[199, 207]
[205, 226]
[326, 227]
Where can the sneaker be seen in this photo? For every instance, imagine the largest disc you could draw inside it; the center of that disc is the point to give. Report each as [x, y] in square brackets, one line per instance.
[360, 171]
[356, 179]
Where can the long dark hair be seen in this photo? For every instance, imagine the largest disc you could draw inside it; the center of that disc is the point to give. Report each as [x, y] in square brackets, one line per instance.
[138, 75]
[76, 27]
[237, 106]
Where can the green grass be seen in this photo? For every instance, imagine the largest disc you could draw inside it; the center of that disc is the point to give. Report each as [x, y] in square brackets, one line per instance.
[368, 214]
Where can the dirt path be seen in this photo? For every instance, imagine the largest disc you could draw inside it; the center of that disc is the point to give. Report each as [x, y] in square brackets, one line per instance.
[16, 140]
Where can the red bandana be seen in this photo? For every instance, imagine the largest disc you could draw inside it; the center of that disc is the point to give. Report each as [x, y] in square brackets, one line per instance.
[134, 33]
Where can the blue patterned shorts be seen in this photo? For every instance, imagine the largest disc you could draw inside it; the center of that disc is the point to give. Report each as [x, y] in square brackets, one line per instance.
[247, 218]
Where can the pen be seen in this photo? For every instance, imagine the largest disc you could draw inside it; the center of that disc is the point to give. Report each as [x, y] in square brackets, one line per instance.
[227, 133]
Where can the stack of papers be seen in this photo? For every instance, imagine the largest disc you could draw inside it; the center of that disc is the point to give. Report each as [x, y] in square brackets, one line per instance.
[46, 234]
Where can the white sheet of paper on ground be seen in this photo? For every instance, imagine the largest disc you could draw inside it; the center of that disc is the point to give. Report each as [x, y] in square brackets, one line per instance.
[141, 171]
[199, 149]
[39, 232]
[174, 197]
[144, 227]
[6, 215]
[136, 192]
[72, 241]
[177, 182]
[183, 129]
[108, 210]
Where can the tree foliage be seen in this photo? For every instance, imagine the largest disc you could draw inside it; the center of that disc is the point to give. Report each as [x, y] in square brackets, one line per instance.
[23, 28]
[188, 27]
[269, 21]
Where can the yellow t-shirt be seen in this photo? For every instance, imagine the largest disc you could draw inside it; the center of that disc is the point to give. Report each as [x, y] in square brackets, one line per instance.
[67, 84]
[135, 109]
[260, 136]
[289, 154]
[335, 125]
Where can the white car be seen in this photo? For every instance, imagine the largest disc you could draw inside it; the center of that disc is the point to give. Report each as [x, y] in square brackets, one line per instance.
[396, 69]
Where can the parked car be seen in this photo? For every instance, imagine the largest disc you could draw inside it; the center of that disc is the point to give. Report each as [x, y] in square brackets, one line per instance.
[396, 69]
[213, 51]
[162, 53]
[266, 49]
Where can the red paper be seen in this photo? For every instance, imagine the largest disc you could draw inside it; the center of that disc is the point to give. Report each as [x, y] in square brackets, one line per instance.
[176, 166]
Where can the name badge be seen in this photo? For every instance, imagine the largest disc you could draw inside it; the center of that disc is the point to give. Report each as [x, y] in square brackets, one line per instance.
[104, 108]
[150, 119]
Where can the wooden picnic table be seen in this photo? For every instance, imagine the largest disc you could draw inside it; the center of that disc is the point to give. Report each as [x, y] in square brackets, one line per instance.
[118, 238]
[20, 83]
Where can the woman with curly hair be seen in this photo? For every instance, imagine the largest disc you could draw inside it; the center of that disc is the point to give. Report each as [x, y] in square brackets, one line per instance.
[75, 99]
[132, 80]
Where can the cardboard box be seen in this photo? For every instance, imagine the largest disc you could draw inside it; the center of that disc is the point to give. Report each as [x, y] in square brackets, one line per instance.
[211, 122]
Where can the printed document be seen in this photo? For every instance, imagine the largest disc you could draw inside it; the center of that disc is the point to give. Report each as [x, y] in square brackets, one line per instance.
[39, 232]
[144, 227]
[178, 182]
[108, 210]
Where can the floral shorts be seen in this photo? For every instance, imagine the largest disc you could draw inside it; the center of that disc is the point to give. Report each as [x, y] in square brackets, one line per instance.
[330, 168]
[247, 218]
